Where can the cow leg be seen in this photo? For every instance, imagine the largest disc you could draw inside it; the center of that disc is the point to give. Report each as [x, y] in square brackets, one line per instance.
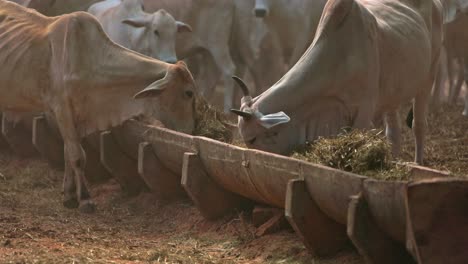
[459, 79]
[439, 84]
[450, 75]
[465, 112]
[393, 131]
[75, 159]
[419, 124]
[75, 162]
[69, 189]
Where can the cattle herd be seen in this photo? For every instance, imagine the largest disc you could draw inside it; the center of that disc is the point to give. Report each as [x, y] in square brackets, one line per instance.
[314, 66]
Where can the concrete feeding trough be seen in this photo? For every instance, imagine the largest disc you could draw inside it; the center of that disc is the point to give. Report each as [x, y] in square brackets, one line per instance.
[48, 142]
[237, 174]
[379, 219]
[424, 220]
[437, 220]
[325, 206]
[317, 206]
[161, 158]
[119, 154]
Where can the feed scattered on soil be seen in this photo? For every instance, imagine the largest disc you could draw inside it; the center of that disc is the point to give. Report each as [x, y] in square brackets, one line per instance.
[362, 152]
[212, 123]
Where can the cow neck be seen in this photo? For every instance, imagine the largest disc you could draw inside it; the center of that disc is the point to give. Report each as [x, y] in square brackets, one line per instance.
[302, 84]
[130, 68]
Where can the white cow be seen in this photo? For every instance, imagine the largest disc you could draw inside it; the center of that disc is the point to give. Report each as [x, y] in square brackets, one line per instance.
[128, 25]
[367, 58]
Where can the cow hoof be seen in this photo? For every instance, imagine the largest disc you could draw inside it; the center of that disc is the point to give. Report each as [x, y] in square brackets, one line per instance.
[71, 203]
[87, 207]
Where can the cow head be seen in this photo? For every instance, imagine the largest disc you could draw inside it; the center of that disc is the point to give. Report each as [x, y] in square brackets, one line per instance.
[262, 8]
[261, 130]
[157, 35]
[175, 95]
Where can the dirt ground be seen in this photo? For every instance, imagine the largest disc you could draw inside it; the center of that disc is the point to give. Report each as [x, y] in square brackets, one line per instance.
[35, 228]
[446, 142]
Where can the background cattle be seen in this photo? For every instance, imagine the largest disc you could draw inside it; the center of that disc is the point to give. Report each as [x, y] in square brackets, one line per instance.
[127, 24]
[232, 46]
[212, 22]
[456, 45]
[292, 23]
[67, 66]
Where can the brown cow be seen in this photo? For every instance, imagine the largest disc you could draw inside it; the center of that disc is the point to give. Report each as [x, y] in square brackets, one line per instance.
[67, 66]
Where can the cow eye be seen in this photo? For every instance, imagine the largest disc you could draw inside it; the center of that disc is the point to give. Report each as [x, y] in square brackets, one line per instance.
[156, 32]
[189, 94]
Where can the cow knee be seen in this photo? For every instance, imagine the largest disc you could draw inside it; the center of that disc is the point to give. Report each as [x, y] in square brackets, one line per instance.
[76, 156]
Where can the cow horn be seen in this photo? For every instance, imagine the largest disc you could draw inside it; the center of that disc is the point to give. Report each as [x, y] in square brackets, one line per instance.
[242, 85]
[241, 113]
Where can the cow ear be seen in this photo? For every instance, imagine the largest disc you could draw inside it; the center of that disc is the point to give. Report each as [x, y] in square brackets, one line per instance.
[272, 120]
[155, 89]
[182, 27]
[135, 22]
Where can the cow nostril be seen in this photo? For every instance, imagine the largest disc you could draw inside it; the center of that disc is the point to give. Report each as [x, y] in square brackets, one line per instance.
[260, 12]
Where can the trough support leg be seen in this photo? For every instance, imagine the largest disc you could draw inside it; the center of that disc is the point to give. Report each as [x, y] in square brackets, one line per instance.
[320, 234]
[374, 245]
[211, 199]
[162, 182]
[122, 167]
[18, 138]
[48, 146]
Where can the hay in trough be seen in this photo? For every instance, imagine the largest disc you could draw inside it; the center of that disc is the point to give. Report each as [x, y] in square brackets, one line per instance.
[211, 123]
[362, 152]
